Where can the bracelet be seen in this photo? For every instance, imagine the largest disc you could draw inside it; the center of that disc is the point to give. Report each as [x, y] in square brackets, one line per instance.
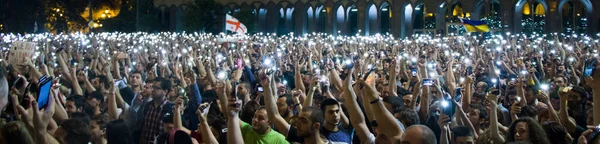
[375, 101]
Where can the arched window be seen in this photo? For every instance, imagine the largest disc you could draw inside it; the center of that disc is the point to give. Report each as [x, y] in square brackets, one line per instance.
[352, 20]
[526, 9]
[386, 14]
[458, 11]
[533, 19]
[567, 17]
[539, 9]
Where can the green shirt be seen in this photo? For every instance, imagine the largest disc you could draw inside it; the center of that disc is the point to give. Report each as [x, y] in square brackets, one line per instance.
[251, 137]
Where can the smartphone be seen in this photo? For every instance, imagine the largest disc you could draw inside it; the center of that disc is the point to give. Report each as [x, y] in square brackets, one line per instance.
[448, 107]
[260, 89]
[44, 93]
[120, 83]
[427, 82]
[590, 65]
[414, 72]
[512, 77]
[458, 94]
[239, 63]
[349, 66]
[594, 134]
[469, 70]
[369, 73]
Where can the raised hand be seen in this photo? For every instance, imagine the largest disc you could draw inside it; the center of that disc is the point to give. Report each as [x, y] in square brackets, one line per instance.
[444, 121]
[234, 106]
[491, 97]
[202, 111]
[543, 96]
[41, 117]
[265, 81]
[515, 108]
[594, 80]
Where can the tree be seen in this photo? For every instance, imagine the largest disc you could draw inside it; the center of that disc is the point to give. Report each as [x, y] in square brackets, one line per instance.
[125, 21]
[19, 15]
[204, 15]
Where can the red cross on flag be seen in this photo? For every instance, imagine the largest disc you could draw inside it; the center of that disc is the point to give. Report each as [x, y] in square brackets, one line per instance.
[234, 25]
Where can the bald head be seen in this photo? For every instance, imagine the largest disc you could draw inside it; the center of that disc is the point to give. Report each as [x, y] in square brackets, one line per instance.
[418, 134]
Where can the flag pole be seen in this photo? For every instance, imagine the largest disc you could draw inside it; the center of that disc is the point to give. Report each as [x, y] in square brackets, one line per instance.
[224, 25]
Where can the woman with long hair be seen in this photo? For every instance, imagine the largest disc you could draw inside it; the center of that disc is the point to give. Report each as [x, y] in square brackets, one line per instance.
[527, 130]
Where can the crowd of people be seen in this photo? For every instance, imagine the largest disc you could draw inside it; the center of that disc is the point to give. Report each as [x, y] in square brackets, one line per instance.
[179, 88]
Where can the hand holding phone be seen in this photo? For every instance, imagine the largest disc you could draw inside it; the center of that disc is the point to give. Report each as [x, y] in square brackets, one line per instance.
[414, 72]
[44, 92]
[448, 107]
[427, 82]
[590, 65]
[239, 63]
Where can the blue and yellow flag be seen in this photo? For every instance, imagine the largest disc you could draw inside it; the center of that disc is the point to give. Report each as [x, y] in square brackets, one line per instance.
[475, 26]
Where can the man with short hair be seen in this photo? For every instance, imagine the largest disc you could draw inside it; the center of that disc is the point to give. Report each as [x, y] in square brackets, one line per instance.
[333, 129]
[260, 130]
[462, 135]
[285, 106]
[478, 116]
[309, 125]
[153, 111]
[74, 104]
[136, 83]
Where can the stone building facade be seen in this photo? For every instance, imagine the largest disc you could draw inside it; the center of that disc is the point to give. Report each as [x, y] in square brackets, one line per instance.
[403, 18]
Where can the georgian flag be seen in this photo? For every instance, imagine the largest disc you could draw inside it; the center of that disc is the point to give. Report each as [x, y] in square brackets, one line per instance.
[234, 25]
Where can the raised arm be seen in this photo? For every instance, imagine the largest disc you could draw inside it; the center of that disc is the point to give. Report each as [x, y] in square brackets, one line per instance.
[203, 127]
[494, 130]
[594, 83]
[391, 129]
[116, 66]
[450, 80]
[544, 97]
[60, 112]
[467, 86]
[177, 118]
[280, 123]
[234, 133]
[444, 123]
[298, 77]
[392, 83]
[357, 118]
[112, 103]
[76, 87]
[564, 114]
[335, 79]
